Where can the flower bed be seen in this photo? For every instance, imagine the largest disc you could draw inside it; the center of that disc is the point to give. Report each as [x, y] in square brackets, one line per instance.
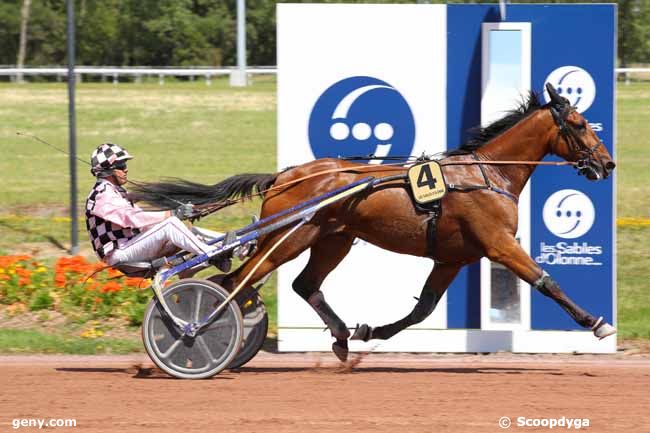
[78, 289]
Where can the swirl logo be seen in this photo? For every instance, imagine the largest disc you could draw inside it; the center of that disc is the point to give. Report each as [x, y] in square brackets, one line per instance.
[573, 83]
[568, 213]
[361, 116]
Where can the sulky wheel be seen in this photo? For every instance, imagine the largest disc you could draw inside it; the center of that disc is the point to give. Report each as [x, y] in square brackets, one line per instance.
[256, 325]
[212, 349]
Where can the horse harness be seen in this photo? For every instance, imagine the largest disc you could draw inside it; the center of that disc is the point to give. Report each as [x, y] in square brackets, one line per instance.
[575, 143]
[560, 113]
[434, 208]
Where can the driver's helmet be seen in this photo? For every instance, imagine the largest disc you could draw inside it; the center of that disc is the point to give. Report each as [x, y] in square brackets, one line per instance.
[104, 158]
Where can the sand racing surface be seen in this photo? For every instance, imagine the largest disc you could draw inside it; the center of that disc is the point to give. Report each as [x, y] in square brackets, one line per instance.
[312, 392]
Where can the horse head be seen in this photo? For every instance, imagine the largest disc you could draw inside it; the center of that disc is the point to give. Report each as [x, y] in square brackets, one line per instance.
[576, 140]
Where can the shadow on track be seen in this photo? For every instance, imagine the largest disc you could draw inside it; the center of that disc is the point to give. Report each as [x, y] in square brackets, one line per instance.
[136, 371]
[402, 370]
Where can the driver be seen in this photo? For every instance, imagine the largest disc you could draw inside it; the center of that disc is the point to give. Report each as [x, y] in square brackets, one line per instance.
[120, 231]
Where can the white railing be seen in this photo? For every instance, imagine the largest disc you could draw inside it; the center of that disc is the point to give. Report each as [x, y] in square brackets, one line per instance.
[137, 72]
[628, 71]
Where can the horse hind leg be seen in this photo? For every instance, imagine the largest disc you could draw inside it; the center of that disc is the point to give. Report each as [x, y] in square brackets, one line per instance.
[439, 279]
[325, 255]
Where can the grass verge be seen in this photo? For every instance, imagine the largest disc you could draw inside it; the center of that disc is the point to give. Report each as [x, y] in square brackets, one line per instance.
[35, 341]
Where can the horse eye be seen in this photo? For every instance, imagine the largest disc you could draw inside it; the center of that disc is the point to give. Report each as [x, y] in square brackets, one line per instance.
[581, 126]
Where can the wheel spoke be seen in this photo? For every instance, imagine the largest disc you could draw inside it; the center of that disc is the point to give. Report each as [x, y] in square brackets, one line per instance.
[205, 349]
[171, 349]
[197, 307]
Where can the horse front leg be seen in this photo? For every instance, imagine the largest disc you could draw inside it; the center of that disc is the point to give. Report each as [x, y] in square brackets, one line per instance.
[439, 279]
[510, 254]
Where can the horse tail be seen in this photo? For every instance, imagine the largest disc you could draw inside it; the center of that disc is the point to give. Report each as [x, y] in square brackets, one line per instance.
[169, 193]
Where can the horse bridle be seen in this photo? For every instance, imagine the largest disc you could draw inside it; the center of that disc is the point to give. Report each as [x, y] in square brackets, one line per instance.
[576, 144]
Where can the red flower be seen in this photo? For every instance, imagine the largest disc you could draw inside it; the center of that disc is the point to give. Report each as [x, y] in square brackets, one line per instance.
[60, 280]
[6, 261]
[110, 287]
[133, 282]
[24, 273]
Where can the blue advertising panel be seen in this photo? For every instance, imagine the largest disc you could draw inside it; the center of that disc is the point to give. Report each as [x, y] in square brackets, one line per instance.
[463, 113]
[572, 224]
[573, 47]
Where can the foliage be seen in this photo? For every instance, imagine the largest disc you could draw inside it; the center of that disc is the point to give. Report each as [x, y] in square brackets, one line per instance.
[203, 32]
[75, 287]
[633, 31]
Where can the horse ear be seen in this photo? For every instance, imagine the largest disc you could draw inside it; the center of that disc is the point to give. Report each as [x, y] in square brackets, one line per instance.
[555, 97]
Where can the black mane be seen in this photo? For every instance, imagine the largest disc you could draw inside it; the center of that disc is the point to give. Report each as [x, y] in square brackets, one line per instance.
[480, 136]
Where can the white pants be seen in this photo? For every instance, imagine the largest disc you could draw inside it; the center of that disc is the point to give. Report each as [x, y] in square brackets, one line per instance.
[163, 239]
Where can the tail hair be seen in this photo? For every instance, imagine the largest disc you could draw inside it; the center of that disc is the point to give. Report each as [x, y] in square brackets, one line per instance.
[169, 193]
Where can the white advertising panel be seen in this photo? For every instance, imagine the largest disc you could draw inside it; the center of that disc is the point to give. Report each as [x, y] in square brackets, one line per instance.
[359, 80]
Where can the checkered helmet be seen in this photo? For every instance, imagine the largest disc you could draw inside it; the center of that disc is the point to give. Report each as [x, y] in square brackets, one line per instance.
[105, 156]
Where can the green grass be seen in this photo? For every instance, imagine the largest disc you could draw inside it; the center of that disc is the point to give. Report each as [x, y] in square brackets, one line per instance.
[34, 341]
[633, 200]
[205, 134]
[633, 293]
[202, 133]
[633, 150]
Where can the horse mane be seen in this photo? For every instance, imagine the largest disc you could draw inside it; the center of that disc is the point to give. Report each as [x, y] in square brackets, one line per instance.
[481, 135]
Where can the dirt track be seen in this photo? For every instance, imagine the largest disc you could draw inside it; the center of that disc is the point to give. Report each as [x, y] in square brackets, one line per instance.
[298, 393]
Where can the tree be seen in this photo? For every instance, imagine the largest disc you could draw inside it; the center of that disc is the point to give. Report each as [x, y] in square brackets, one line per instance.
[633, 31]
[202, 32]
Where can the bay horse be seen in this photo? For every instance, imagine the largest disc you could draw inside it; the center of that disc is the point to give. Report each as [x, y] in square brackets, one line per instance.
[474, 223]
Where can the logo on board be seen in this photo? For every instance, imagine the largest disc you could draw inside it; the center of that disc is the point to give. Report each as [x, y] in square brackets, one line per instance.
[575, 84]
[569, 214]
[360, 116]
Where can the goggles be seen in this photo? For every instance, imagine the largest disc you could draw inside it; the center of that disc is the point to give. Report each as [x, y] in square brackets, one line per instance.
[120, 165]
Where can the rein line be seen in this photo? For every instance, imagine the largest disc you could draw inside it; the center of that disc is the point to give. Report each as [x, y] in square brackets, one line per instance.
[398, 166]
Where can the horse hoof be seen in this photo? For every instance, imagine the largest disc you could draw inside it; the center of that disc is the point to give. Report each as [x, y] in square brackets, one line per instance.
[603, 329]
[363, 332]
[340, 349]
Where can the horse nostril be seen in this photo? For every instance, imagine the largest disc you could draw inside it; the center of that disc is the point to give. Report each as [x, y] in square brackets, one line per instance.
[610, 166]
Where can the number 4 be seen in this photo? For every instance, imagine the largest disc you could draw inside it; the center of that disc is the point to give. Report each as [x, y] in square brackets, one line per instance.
[425, 178]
